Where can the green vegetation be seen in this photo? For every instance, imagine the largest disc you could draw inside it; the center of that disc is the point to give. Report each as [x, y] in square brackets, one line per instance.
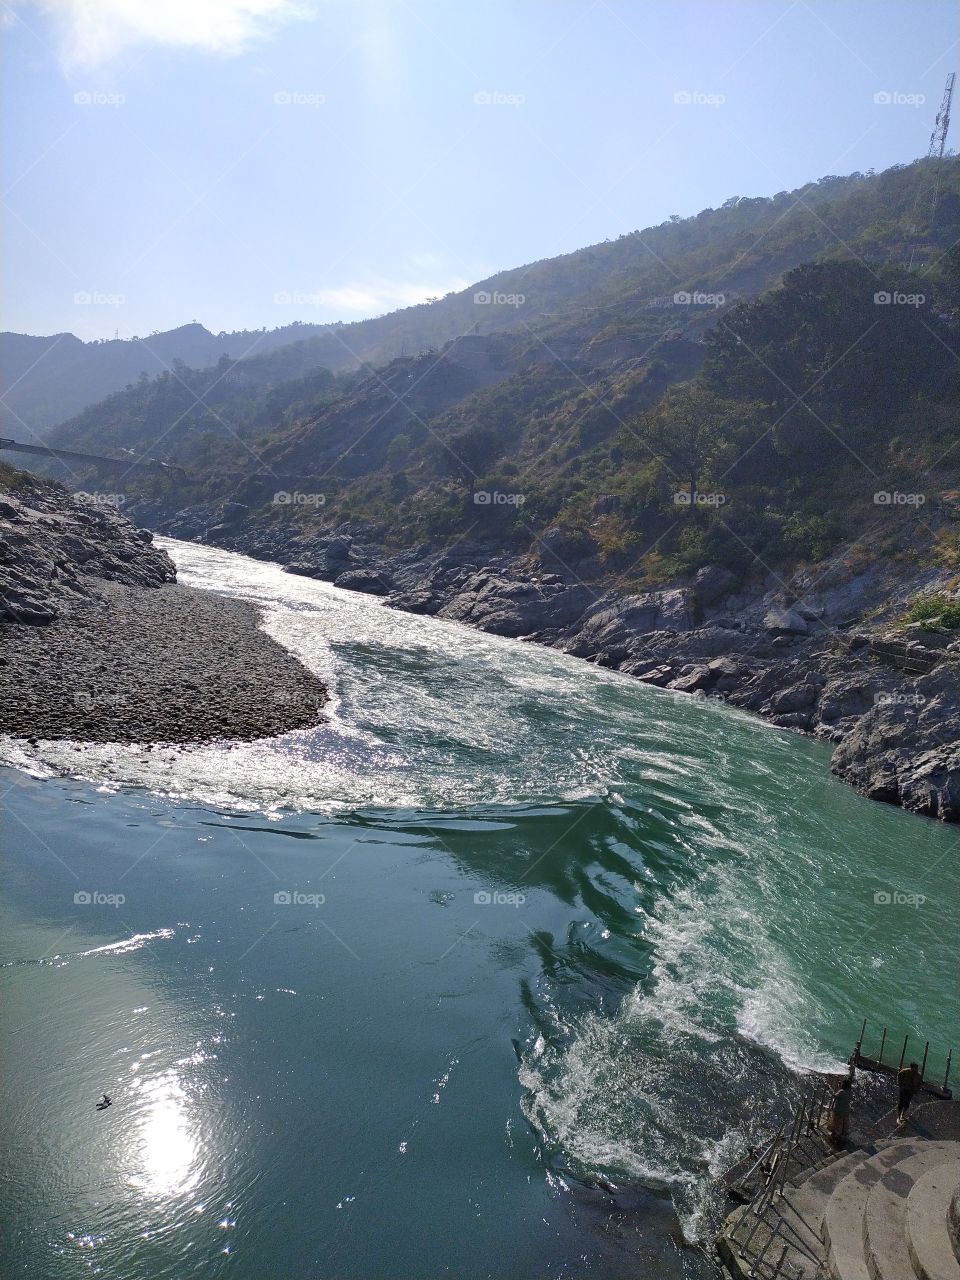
[935, 612]
[11, 478]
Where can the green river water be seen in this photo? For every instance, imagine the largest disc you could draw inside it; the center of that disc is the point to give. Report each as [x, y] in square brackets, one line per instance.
[376, 1001]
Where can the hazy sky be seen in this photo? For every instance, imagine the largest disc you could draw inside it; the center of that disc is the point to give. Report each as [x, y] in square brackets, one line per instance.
[174, 160]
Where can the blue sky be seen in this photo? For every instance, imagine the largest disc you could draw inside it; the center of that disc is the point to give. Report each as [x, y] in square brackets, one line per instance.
[174, 160]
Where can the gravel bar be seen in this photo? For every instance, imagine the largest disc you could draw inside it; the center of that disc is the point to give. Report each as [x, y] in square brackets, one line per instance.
[165, 664]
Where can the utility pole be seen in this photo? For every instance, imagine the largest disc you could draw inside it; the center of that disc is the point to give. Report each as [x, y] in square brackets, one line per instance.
[938, 143]
[938, 139]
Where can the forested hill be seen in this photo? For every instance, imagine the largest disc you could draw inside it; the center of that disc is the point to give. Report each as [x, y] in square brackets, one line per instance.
[606, 295]
[783, 415]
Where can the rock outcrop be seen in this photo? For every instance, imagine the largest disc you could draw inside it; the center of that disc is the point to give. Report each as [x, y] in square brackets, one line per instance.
[56, 546]
[905, 748]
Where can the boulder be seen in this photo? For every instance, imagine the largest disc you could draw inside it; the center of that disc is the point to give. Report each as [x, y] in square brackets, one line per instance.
[337, 547]
[508, 606]
[786, 622]
[725, 674]
[724, 667]
[423, 602]
[371, 581]
[639, 666]
[801, 720]
[314, 567]
[711, 584]
[698, 678]
[676, 612]
[796, 697]
[660, 676]
[623, 621]
[327, 562]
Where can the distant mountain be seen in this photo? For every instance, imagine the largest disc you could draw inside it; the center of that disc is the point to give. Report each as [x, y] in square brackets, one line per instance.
[47, 379]
[604, 295]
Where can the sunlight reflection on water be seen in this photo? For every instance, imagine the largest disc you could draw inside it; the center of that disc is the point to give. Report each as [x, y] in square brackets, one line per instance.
[168, 1152]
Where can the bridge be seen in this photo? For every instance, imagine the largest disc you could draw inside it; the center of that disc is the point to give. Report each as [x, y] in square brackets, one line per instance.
[151, 464]
[71, 455]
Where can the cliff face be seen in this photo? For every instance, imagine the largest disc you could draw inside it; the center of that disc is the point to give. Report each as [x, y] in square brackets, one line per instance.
[56, 548]
[906, 749]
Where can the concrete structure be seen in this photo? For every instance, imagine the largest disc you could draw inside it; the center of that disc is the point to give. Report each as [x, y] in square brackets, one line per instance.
[883, 1208]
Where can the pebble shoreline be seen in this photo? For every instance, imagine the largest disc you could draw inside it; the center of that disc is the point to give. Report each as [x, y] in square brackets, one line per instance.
[164, 664]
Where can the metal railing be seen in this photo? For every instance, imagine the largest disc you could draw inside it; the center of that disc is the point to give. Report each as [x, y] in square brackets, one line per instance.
[797, 1146]
[877, 1064]
[792, 1150]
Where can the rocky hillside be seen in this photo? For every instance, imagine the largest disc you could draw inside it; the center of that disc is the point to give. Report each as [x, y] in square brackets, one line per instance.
[691, 453]
[57, 548]
[666, 432]
[55, 376]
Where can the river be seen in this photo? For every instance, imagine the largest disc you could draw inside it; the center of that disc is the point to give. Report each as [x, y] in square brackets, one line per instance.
[376, 1000]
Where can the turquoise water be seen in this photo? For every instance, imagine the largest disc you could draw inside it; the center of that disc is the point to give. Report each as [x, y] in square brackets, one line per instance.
[545, 923]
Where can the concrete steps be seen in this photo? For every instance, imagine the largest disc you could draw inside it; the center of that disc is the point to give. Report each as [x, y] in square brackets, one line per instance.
[891, 1213]
[869, 1231]
[843, 1221]
[932, 1240]
[802, 1209]
[885, 1238]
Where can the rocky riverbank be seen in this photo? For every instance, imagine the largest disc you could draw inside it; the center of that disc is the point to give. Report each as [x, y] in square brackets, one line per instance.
[99, 644]
[818, 654]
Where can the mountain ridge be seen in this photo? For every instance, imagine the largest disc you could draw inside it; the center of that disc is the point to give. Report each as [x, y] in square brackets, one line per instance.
[50, 379]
